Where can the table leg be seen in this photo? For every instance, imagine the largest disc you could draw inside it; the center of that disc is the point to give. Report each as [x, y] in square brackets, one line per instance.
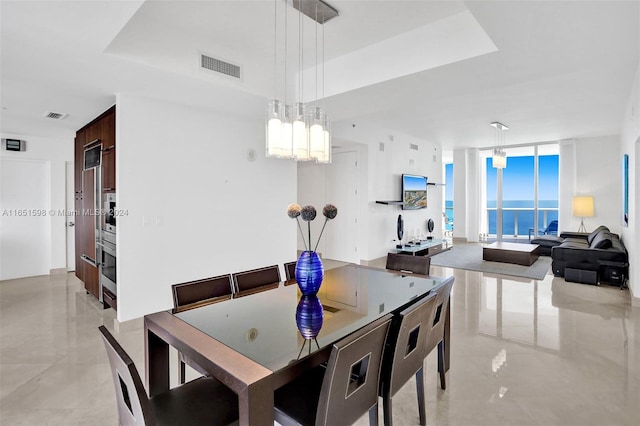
[447, 337]
[256, 403]
[156, 363]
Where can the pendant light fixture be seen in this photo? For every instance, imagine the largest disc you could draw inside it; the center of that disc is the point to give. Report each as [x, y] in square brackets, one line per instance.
[499, 160]
[301, 132]
[273, 134]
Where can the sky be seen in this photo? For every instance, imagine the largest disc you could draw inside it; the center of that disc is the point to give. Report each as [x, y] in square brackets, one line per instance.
[518, 178]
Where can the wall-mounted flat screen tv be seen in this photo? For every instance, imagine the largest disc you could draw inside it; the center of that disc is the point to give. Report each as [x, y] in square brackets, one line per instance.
[414, 192]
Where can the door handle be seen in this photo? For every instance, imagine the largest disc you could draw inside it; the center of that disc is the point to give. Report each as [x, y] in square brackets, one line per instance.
[71, 224]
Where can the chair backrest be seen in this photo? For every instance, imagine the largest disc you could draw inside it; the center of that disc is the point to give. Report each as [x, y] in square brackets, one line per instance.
[254, 278]
[406, 262]
[405, 356]
[552, 227]
[198, 293]
[134, 407]
[350, 384]
[442, 296]
[290, 270]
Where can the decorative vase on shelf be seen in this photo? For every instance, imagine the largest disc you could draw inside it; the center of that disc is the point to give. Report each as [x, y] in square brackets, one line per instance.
[309, 273]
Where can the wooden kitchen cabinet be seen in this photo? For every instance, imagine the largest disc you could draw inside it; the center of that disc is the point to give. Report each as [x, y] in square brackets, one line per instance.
[89, 188]
[109, 151]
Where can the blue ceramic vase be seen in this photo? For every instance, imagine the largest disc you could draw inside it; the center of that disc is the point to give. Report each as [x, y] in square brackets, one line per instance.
[309, 273]
[309, 316]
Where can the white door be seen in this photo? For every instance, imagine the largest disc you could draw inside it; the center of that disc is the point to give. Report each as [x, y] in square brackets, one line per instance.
[70, 219]
[25, 223]
[342, 191]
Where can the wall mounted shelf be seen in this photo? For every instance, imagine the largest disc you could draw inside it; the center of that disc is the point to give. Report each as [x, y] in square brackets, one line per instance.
[390, 203]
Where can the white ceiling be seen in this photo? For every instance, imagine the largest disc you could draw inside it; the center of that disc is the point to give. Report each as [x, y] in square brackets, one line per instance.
[438, 70]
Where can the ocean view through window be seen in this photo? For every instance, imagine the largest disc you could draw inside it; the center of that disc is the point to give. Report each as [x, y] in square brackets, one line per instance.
[448, 197]
[518, 200]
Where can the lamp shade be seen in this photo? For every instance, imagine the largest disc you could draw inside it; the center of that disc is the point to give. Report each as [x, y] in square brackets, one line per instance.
[582, 206]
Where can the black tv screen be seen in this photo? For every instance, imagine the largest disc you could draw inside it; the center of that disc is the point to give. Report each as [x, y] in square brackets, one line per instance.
[414, 192]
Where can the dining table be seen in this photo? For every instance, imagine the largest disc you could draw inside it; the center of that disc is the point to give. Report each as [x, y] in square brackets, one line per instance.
[255, 344]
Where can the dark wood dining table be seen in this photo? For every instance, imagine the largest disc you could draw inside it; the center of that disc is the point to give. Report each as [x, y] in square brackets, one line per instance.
[253, 344]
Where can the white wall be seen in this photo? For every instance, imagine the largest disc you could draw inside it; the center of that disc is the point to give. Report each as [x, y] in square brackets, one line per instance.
[46, 250]
[197, 205]
[630, 144]
[566, 184]
[461, 214]
[598, 173]
[380, 179]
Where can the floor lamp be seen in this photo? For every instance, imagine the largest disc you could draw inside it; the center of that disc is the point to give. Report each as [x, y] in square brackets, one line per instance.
[582, 207]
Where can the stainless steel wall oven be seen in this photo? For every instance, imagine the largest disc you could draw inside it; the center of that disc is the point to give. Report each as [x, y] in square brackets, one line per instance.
[108, 263]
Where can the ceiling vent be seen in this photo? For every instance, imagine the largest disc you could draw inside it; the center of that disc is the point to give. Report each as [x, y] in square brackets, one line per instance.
[219, 66]
[413, 147]
[54, 115]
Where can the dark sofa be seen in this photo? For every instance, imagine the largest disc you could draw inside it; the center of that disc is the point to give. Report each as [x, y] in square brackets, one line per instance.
[590, 258]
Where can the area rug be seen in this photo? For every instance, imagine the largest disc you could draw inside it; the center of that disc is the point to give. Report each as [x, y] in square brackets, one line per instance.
[469, 257]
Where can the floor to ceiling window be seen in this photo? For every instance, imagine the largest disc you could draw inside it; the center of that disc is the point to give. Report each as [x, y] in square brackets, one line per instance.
[448, 199]
[529, 193]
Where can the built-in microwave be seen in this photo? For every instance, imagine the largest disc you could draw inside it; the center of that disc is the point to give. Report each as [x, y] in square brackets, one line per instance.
[92, 157]
[109, 223]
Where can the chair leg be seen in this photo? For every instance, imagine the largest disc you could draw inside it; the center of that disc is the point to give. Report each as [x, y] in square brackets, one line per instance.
[420, 392]
[386, 411]
[181, 371]
[443, 383]
[373, 415]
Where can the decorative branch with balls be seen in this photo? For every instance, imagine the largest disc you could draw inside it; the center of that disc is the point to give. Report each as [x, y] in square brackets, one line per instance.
[308, 213]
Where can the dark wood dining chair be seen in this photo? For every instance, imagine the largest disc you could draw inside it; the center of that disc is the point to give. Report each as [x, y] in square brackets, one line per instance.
[436, 337]
[409, 263]
[405, 353]
[256, 280]
[201, 401]
[290, 270]
[194, 294]
[343, 391]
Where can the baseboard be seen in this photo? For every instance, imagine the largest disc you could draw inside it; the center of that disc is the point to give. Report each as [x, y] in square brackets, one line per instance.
[459, 240]
[57, 271]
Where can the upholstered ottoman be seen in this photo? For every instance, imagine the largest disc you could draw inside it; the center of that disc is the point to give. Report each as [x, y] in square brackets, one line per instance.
[546, 243]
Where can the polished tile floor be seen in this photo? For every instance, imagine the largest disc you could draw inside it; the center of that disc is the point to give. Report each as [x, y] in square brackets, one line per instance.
[523, 353]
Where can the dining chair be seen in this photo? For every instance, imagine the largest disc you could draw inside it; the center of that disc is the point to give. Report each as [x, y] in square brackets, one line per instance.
[405, 353]
[194, 294]
[436, 336]
[409, 263]
[256, 280]
[290, 270]
[344, 390]
[201, 401]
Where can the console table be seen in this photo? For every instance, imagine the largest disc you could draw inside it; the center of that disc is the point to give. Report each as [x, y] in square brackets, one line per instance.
[423, 248]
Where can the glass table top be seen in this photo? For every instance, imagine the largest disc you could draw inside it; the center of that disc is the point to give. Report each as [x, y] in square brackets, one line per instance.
[268, 327]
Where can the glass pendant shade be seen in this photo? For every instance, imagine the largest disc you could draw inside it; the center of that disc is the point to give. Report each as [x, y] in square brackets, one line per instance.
[499, 160]
[273, 128]
[316, 133]
[326, 141]
[300, 134]
[287, 132]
